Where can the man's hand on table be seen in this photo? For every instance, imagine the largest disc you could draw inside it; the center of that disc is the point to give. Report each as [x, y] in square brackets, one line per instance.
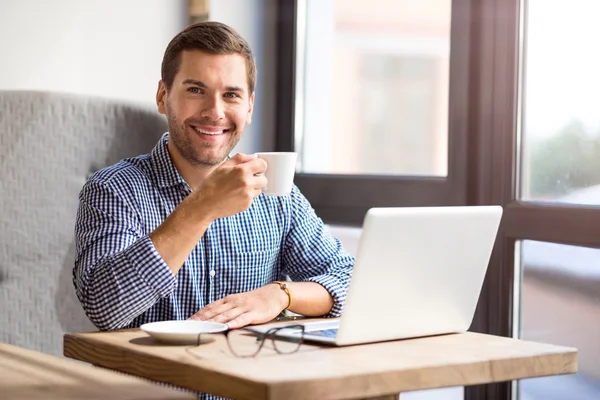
[237, 310]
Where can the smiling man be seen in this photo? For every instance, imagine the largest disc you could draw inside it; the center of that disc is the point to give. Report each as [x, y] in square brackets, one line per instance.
[185, 231]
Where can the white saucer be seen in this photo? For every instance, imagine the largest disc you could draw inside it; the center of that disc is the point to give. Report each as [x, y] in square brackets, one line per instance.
[179, 332]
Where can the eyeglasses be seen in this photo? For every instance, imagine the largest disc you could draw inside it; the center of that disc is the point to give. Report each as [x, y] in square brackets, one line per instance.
[285, 340]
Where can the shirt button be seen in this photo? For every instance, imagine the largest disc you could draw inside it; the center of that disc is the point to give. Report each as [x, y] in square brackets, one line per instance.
[212, 272]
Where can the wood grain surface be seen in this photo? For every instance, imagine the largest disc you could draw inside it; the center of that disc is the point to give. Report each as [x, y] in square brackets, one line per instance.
[27, 374]
[316, 372]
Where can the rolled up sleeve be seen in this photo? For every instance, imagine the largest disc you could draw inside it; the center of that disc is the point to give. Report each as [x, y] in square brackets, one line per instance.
[312, 254]
[118, 273]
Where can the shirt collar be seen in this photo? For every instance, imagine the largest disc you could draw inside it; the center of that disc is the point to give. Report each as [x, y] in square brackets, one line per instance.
[165, 173]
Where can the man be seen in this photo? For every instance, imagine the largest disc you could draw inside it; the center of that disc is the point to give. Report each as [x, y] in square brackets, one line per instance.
[185, 231]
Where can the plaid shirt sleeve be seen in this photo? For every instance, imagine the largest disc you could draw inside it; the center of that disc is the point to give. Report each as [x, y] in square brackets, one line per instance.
[118, 273]
[312, 254]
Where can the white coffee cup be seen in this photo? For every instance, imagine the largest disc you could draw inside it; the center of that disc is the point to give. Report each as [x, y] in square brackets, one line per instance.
[281, 167]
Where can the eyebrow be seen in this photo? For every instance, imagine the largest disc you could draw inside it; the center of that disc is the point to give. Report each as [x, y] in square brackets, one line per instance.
[203, 85]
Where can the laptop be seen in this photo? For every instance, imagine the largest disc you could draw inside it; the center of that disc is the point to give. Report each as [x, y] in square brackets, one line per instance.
[418, 272]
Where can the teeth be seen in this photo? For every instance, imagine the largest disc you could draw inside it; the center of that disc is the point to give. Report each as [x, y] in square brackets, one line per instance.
[207, 132]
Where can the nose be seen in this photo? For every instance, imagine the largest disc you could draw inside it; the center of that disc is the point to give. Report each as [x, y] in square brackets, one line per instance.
[213, 108]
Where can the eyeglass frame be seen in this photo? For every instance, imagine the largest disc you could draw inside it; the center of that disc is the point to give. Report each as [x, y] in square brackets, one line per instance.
[271, 333]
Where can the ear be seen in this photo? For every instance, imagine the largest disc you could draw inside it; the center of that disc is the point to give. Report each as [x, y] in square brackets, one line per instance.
[250, 109]
[161, 97]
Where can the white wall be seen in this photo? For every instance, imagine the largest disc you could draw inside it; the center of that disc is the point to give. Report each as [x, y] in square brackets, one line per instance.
[110, 48]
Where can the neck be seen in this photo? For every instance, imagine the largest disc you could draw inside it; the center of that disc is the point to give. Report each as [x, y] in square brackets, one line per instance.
[194, 175]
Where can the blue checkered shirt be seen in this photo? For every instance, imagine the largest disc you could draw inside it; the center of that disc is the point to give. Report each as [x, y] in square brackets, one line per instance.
[122, 281]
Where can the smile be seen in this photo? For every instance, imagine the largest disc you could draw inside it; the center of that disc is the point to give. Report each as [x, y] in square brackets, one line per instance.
[212, 132]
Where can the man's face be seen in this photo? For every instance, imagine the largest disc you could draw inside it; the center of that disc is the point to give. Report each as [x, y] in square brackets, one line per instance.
[207, 107]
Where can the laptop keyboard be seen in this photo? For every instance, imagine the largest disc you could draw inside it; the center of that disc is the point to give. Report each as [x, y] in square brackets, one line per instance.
[330, 333]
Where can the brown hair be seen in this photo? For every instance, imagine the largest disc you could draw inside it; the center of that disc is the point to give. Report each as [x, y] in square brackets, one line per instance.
[211, 37]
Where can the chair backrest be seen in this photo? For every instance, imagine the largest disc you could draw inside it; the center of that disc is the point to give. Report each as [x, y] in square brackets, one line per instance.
[49, 145]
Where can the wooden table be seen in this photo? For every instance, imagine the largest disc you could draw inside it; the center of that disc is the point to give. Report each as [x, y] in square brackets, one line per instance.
[380, 370]
[27, 374]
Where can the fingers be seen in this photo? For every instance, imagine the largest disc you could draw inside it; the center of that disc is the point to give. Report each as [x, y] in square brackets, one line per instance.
[213, 309]
[250, 169]
[257, 166]
[249, 162]
[259, 182]
[228, 315]
[252, 173]
[239, 310]
[227, 311]
[240, 321]
[240, 158]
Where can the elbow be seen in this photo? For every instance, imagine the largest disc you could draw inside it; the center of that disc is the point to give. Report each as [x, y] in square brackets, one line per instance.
[102, 319]
[96, 309]
[95, 314]
[104, 324]
[96, 300]
[337, 308]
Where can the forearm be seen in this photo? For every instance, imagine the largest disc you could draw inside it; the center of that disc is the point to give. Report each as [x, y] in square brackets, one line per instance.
[308, 298]
[179, 233]
[228, 190]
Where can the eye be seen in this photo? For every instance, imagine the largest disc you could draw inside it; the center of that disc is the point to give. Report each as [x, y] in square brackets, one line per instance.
[194, 89]
[231, 95]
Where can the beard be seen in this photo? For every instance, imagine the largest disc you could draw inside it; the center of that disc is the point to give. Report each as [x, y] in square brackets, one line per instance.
[205, 155]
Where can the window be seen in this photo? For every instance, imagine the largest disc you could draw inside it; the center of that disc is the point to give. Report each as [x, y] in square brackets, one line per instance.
[560, 304]
[561, 122]
[372, 100]
[374, 87]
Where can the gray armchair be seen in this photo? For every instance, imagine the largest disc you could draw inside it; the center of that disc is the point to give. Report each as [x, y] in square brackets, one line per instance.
[49, 144]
